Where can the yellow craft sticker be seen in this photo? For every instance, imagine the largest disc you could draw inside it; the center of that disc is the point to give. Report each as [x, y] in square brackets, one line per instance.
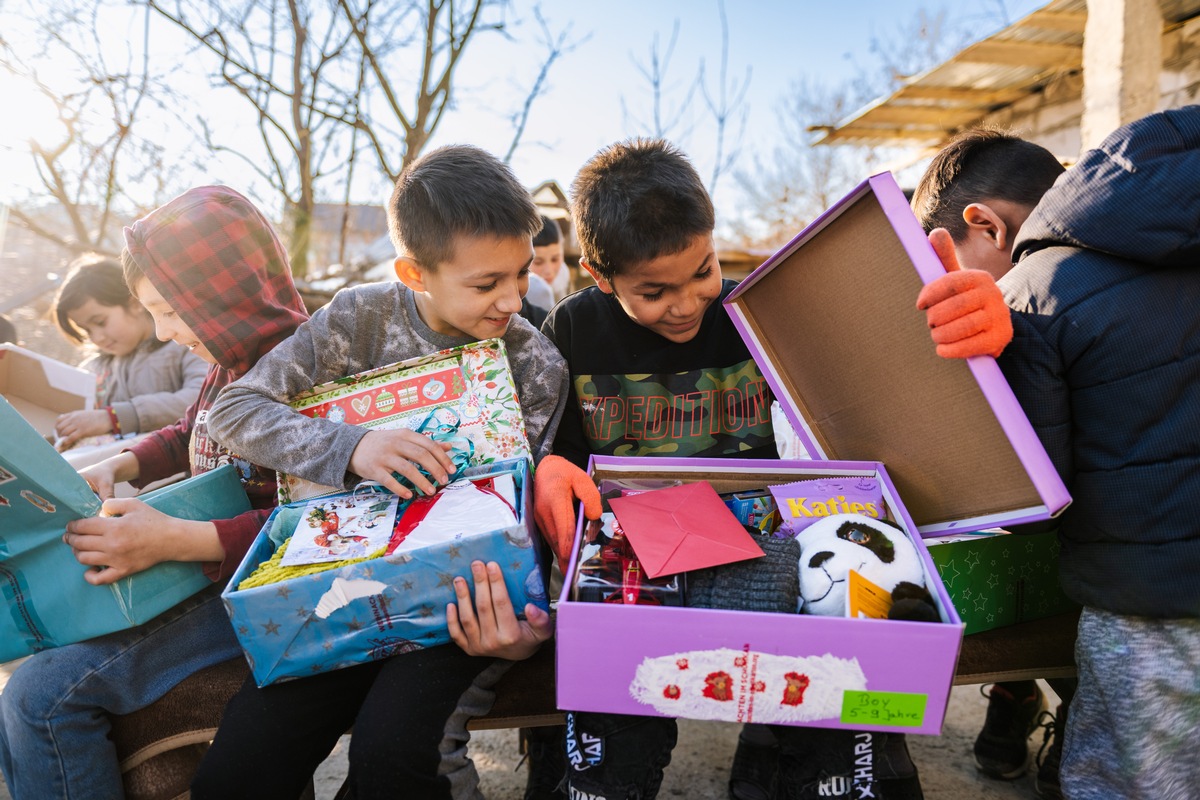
[901, 709]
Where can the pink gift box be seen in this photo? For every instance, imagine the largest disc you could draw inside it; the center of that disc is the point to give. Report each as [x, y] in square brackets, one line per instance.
[609, 654]
[832, 321]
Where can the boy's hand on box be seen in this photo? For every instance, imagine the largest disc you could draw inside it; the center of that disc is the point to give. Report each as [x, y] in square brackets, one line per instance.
[557, 486]
[379, 454]
[104, 477]
[965, 309]
[489, 626]
[130, 536]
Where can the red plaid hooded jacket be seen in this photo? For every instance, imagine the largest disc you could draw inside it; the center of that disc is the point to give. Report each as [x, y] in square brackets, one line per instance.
[214, 257]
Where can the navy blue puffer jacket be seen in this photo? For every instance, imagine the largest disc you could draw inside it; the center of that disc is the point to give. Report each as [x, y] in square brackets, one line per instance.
[1106, 362]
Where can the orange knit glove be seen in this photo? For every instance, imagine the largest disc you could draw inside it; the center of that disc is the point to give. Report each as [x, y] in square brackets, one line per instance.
[557, 486]
[965, 309]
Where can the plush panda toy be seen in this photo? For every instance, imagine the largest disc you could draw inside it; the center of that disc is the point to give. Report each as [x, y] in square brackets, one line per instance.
[876, 549]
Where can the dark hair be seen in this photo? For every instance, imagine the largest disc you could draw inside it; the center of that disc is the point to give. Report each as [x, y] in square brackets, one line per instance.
[8, 331]
[90, 277]
[549, 234]
[456, 191]
[978, 165]
[131, 269]
[635, 201]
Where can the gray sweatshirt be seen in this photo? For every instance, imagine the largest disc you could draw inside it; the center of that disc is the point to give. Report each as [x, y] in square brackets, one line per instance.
[151, 387]
[362, 328]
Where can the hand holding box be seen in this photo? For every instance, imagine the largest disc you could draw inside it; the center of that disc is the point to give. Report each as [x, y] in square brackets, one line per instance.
[50, 602]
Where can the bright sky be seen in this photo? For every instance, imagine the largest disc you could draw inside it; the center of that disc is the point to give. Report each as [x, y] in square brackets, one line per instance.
[780, 40]
[582, 108]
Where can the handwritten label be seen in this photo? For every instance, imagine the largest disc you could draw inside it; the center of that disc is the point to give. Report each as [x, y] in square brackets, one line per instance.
[901, 709]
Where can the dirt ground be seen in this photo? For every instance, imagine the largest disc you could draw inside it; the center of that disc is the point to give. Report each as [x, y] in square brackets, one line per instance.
[700, 764]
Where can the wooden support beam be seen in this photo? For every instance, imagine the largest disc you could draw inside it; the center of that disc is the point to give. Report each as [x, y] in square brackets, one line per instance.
[929, 116]
[959, 94]
[1064, 22]
[1022, 54]
[883, 135]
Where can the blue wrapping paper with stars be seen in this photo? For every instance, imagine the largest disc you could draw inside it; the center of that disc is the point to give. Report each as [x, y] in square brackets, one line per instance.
[379, 607]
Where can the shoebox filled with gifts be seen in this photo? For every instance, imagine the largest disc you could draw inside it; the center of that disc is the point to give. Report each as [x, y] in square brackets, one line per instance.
[337, 578]
[48, 602]
[802, 592]
[997, 578]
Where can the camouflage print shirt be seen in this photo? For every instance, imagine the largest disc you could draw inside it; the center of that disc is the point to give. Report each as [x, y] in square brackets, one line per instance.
[634, 393]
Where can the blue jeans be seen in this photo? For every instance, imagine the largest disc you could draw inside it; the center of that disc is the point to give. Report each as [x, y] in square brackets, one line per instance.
[53, 724]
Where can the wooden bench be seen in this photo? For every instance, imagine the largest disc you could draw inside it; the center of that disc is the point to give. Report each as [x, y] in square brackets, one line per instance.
[1042, 648]
[161, 745]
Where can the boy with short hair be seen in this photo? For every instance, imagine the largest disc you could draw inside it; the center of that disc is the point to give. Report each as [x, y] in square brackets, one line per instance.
[548, 258]
[211, 272]
[463, 227]
[1105, 361]
[980, 188]
[658, 368]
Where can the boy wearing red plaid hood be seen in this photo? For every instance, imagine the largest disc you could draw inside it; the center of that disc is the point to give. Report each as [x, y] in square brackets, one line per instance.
[214, 276]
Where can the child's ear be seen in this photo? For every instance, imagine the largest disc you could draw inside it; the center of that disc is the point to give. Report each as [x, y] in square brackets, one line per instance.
[605, 285]
[983, 219]
[410, 273]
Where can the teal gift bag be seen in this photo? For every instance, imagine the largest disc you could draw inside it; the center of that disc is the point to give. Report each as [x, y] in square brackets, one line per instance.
[46, 601]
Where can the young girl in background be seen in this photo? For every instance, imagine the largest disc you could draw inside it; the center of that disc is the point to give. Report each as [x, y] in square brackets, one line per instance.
[142, 384]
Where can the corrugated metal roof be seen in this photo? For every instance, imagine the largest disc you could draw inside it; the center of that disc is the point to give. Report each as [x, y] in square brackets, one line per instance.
[982, 78]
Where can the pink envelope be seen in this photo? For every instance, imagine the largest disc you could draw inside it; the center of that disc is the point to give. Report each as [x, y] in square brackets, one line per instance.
[682, 528]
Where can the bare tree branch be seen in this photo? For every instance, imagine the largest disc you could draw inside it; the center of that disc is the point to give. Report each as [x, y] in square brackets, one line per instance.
[266, 54]
[797, 180]
[556, 46]
[725, 108]
[665, 123]
[90, 168]
[67, 243]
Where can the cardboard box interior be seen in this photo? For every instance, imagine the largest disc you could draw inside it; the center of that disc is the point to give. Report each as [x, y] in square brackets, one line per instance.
[40, 388]
[834, 320]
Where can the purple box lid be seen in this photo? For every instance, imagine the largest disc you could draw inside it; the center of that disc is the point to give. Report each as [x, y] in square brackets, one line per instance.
[832, 322]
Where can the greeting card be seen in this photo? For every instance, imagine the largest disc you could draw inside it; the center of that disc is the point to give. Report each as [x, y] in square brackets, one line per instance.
[342, 527]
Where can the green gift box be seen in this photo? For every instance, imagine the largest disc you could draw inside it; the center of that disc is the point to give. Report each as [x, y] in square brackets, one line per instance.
[996, 578]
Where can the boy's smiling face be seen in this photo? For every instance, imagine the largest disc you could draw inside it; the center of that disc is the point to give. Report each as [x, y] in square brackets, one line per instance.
[669, 294]
[168, 327]
[477, 291]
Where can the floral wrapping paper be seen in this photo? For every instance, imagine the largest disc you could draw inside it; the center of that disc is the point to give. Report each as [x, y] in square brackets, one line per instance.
[469, 386]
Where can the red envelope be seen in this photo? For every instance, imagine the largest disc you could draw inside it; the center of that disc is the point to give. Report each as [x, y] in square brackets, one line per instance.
[682, 528]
